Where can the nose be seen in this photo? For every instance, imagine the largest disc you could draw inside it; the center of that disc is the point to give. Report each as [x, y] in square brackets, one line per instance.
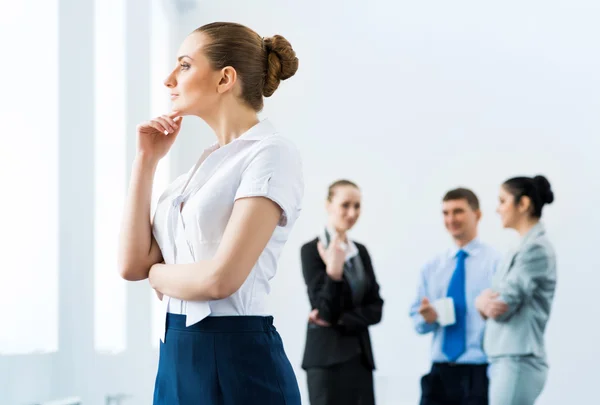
[170, 81]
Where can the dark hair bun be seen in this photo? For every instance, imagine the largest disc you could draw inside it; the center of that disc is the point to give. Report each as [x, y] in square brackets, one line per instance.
[544, 189]
[282, 63]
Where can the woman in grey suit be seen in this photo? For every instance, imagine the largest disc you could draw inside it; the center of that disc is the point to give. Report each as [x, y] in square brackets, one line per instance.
[517, 307]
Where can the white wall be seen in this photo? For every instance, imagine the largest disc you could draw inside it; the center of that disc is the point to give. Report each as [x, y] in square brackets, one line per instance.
[410, 99]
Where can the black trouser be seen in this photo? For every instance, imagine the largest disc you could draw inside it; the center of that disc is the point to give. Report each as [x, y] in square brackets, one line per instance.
[349, 383]
[455, 384]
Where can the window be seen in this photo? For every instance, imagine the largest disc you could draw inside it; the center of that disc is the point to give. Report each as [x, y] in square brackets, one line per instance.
[110, 181]
[29, 177]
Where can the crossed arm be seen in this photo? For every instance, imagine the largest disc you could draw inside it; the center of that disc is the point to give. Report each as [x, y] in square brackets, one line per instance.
[326, 295]
[530, 267]
[248, 231]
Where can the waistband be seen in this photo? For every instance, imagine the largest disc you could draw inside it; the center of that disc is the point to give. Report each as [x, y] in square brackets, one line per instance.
[460, 365]
[222, 324]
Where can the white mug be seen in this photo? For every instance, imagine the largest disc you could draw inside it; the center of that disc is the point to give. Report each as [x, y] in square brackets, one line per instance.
[445, 311]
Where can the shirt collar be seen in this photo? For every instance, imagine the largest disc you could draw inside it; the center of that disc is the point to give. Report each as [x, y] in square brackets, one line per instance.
[472, 248]
[537, 230]
[259, 131]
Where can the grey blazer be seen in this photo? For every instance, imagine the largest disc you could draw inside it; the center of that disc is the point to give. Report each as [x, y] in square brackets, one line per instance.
[526, 281]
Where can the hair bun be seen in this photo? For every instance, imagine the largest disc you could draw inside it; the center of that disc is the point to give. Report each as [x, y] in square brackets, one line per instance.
[544, 189]
[282, 63]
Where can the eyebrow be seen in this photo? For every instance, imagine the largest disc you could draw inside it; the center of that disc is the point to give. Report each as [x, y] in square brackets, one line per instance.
[183, 56]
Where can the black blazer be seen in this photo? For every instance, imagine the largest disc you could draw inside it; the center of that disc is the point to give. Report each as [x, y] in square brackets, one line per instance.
[349, 333]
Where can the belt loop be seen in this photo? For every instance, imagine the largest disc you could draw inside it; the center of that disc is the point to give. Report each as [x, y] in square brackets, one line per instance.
[268, 323]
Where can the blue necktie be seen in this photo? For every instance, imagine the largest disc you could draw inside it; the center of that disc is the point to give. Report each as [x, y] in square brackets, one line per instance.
[455, 336]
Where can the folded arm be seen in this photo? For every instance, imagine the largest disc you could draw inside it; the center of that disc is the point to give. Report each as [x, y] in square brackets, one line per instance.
[529, 268]
[324, 293]
[248, 231]
[138, 250]
[370, 312]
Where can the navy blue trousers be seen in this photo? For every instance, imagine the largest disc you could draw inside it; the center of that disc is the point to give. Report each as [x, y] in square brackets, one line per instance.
[228, 360]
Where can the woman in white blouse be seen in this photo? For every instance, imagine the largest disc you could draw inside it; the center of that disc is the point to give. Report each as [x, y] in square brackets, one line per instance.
[219, 229]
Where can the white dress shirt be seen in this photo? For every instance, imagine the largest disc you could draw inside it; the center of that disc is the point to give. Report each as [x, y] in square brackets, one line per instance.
[260, 163]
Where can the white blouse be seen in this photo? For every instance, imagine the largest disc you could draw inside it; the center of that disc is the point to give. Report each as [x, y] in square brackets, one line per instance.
[258, 163]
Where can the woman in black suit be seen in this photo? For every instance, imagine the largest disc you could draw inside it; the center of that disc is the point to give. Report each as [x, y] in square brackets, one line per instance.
[345, 301]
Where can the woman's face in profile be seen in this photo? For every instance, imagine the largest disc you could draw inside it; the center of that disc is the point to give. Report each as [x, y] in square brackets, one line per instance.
[344, 207]
[507, 209]
[193, 83]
